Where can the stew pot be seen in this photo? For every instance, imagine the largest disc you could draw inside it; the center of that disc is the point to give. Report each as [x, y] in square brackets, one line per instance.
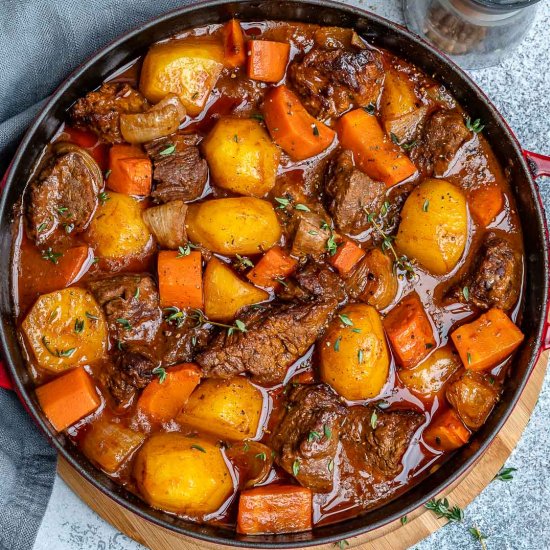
[522, 166]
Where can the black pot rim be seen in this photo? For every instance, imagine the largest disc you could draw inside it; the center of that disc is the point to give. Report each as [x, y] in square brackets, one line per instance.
[249, 542]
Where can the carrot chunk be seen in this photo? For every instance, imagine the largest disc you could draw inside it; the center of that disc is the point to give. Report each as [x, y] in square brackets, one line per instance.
[374, 153]
[292, 127]
[487, 341]
[409, 330]
[275, 264]
[233, 44]
[89, 141]
[347, 256]
[267, 60]
[163, 398]
[446, 432]
[274, 509]
[68, 398]
[485, 203]
[131, 170]
[180, 279]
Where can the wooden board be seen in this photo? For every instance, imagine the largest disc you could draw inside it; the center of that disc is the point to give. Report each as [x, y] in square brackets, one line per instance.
[394, 536]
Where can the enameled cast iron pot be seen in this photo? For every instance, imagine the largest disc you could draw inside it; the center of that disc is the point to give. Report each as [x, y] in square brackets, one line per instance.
[522, 166]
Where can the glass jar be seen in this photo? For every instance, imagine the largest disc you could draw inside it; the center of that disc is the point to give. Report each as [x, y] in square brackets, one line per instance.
[475, 33]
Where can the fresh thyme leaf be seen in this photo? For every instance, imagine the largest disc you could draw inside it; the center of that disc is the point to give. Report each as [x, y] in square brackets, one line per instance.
[282, 202]
[246, 447]
[384, 209]
[311, 232]
[236, 138]
[408, 145]
[426, 205]
[505, 474]
[330, 465]
[95, 260]
[51, 256]
[185, 250]
[92, 317]
[261, 456]
[332, 245]
[78, 325]
[168, 150]
[240, 325]
[302, 207]
[68, 228]
[469, 358]
[296, 467]
[357, 330]
[394, 138]
[476, 126]
[108, 173]
[327, 431]
[126, 325]
[198, 447]
[440, 508]
[383, 404]
[360, 356]
[161, 373]
[315, 130]
[281, 281]
[341, 544]
[257, 116]
[136, 293]
[324, 225]
[65, 352]
[120, 346]
[370, 108]
[466, 293]
[174, 315]
[346, 320]
[478, 535]
[62, 210]
[337, 343]
[313, 435]
[404, 520]
[373, 419]
[245, 262]
[103, 197]
[41, 227]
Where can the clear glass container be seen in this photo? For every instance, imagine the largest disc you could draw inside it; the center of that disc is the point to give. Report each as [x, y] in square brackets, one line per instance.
[475, 33]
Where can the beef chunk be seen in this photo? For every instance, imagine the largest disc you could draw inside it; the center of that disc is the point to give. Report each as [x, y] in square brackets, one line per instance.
[314, 281]
[312, 234]
[131, 306]
[180, 343]
[350, 193]
[181, 174]
[384, 444]
[131, 371]
[494, 278]
[473, 396]
[443, 135]
[63, 195]
[276, 336]
[100, 110]
[331, 81]
[308, 434]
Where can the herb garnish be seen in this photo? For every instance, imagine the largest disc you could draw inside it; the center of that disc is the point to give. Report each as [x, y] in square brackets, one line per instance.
[168, 151]
[302, 207]
[68, 228]
[476, 127]
[404, 520]
[466, 293]
[337, 343]
[92, 317]
[261, 456]
[296, 467]
[201, 318]
[185, 250]
[327, 431]
[383, 404]
[41, 227]
[57, 352]
[283, 203]
[51, 256]
[136, 293]
[370, 108]
[330, 465]
[174, 314]
[403, 144]
[440, 508]
[281, 280]
[345, 319]
[107, 174]
[62, 210]
[103, 197]
[360, 356]
[426, 205]
[245, 262]
[341, 544]
[78, 325]
[161, 373]
[469, 357]
[505, 474]
[126, 325]
[373, 419]
[315, 130]
[478, 535]
[198, 447]
[257, 116]
[313, 435]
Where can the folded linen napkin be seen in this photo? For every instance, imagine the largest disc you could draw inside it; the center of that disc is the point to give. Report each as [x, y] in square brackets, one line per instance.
[41, 42]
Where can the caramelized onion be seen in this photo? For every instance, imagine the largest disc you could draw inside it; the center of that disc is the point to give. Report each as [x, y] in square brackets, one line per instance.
[161, 120]
[167, 223]
[253, 461]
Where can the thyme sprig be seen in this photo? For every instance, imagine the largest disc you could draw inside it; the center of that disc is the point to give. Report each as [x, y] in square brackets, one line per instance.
[441, 508]
[199, 316]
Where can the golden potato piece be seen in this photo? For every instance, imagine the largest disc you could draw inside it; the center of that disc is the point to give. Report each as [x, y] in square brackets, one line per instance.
[434, 226]
[241, 156]
[428, 378]
[184, 475]
[65, 329]
[225, 292]
[354, 356]
[109, 444]
[189, 69]
[242, 225]
[117, 228]
[230, 409]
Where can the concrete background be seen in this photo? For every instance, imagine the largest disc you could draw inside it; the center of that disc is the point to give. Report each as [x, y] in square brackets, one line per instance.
[512, 515]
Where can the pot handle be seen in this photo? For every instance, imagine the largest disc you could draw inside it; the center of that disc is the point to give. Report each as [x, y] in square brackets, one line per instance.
[540, 166]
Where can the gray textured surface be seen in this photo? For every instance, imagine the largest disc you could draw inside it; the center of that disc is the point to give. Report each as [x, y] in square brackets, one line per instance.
[513, 515]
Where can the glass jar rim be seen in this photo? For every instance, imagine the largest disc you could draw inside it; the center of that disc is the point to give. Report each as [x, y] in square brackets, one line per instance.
[505, 5]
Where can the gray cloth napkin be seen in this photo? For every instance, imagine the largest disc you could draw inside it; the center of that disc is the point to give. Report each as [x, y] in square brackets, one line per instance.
[41, 42]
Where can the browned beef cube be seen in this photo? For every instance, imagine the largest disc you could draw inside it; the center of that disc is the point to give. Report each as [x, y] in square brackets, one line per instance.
[100, 110]
[312, 234]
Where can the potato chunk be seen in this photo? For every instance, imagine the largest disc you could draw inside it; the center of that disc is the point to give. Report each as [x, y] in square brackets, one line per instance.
[434, 226]
[229, 409]
[353, 353]
[117, 228]
[109, 444]
[189, 69]
[65, 329]
[184, 475]
[241, 156]
[428, 378]
[225, 293]
[241, 225]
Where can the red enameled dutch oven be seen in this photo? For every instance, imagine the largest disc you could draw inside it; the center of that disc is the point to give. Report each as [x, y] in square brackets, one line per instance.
[521, 165]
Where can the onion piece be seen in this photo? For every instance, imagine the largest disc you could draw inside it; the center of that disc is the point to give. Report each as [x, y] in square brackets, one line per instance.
[253, 461]
[160, 120]
[167, 223]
